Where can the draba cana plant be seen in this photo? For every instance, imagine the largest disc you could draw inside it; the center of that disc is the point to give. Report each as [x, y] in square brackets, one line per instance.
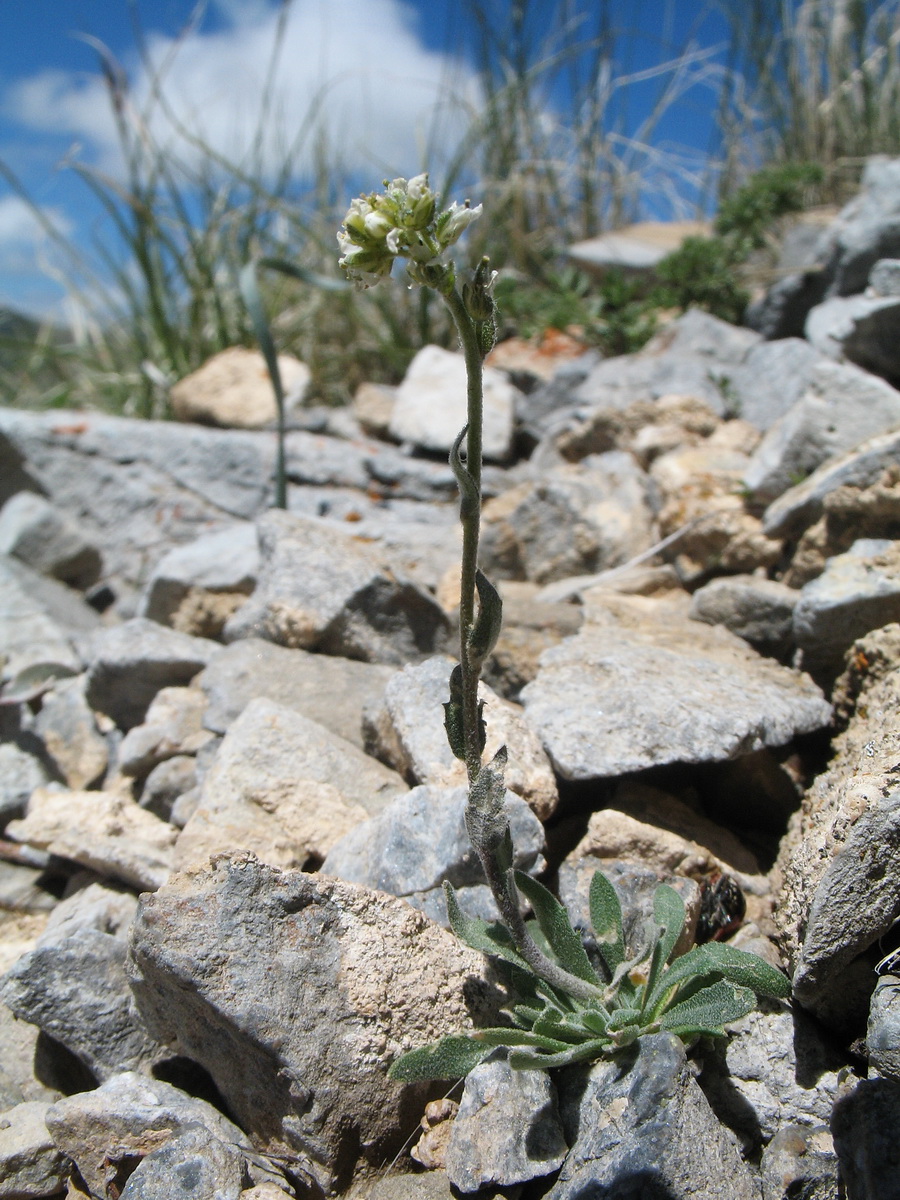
[566, 1010]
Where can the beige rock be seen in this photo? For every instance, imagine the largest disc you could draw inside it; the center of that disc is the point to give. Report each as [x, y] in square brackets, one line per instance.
[283, 787]
[233, 389]
[837, 878]
[70, 734]
[105, 831]
[373, 406]
[173, 725]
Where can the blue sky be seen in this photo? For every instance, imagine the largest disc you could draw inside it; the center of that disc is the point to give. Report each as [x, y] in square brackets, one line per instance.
[385, 65]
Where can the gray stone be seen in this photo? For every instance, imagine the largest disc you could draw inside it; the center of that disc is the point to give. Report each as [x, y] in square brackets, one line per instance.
[867, 228]
[775, 1067]
[194, 1164]
[428, 1185]
[21, 1074]
[285, 788]
[35, 531]
[430, 405]
[94, 906]
[836, 879]
[884, 278]
[864, 1127]
[130, 1115]
[781, 312]
[843, 406]
[420, 840]
[622, 697]
[167, 783]
[20, 773]
[219, 959]
[173, 724]
[772, 378]
[133, 661]
[31, 1167]
[863, 467]
[571, 520]
[109, 473]
[333, 691]
[74, 988]
[860, 329]
[858, 591]
[800, 1162]
[68, 729]
[507, 1130]
[641, 1126]
[883, 1032]
[106, 831]
[322, 590]
[761, 611]
[855, 903]
[406, 730]
[29, 633]
[225, 561]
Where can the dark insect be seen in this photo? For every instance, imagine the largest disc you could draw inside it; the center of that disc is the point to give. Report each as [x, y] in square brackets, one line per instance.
[722, 907]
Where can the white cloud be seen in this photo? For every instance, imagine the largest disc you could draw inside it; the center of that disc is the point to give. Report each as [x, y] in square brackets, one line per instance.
[359, 64]
[20, 229]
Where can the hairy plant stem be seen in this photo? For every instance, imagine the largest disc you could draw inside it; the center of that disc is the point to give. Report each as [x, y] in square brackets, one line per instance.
[500, 880]
[470, 517]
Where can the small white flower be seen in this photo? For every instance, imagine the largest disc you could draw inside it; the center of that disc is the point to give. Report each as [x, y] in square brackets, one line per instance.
[461, 217]
[377, 225]
[418, 188]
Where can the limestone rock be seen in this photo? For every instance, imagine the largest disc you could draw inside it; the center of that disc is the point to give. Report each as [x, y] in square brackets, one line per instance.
[67, 727]
[883, 1032]
[862, 467]
[132, 661]
[29, 632]
[129, 1116]
[800, 1160]
[193, 1162]
[647, 1130]
[652, 687]
[761, 611]
[31, 1167]
[884, 278]
[20, 773]
[430, 406]
[219, 959]
[330, 690]
[837, 874]
[775, 1068]
[420, 840]
[218, 565]
[283, 787]
[105, 831]
[771, 379]
[858, 329]
[173, 724]
[858, 591]
[233, 389]
[573, 520]
[325, 591]
[863, 1126]
[42, 536]
[507, 1130]
[843, 406]
[407, 731]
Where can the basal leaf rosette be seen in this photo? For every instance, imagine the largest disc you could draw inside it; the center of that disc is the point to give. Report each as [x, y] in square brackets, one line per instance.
[696, 994]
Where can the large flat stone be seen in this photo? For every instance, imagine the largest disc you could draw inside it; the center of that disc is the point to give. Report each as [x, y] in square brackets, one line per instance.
[653, 687]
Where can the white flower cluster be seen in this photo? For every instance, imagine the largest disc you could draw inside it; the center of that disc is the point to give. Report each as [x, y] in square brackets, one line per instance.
[400, 222]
